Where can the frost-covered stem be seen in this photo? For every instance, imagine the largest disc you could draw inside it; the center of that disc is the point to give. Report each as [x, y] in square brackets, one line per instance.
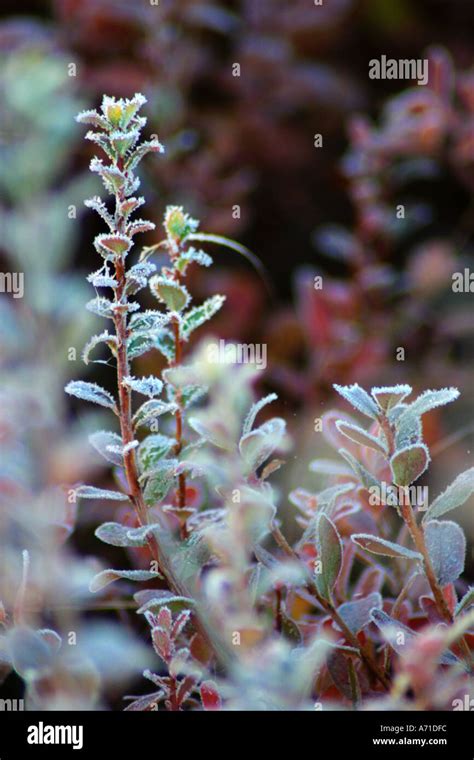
[364, 654]
[179, 417]
[418, 539]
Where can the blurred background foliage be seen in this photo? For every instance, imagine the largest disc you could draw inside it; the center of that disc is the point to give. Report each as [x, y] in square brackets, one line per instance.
[243, 140]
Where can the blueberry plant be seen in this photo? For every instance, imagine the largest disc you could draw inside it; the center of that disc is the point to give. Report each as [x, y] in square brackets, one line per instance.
[366, 609]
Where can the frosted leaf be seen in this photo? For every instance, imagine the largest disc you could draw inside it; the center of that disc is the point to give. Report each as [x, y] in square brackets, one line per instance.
[139, 225]
[148, 321]
[446, 546]
[382, 547]
[100, 306]
[159, 481]
[119, 111]
[150, 410]
[116, 534]
[122, 451]
[178, 224]
[148, 386]
[170, 292]
[164, 343]
[193, 255]
[115, 244]
[156, 599]
[356, 615]
[121, 142]
[129, 205]
[91, 492]
[388, 397]
[359, 399]
[358, 435]
[101, 280]
[100, 139]
[430, 400]
[113, 179]
[391, 630]
[250, 419]
[150, 146]
[90, 392]
[104, 578]
[137, 277]
[152, 449]
[190, 394]
[104, 337]
[199, 315]
[408, 430]
[139, 344]
[93, 118]
[466, 601]
[329, 554]
[409, 464]
[365, 477]
[97, 204]
[102, 440]
[132, 184]
[454, 496]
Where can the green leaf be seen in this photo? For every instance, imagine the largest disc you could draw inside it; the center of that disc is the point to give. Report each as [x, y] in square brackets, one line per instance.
[365, 477]
[199, 315]
[446, 546]
[104, 337]
[408, 429]
[101, 306]
[408, 464]
[148, 321]
[465, 602]
[147, 386]
[430, 400]
[329, 549]
[152, 599]
[380, 546]
[104, 578]
[90, 492]
[170, 292]
[390, 396]
[391, 630]
[139, 344]
[159, 481]
[164, 343]
[454, 496]
[359, 398]
[151, 410]
[152, 449]
[107, 445]
[356, 615]
[91, 392]
[116, 534]
[358, 435]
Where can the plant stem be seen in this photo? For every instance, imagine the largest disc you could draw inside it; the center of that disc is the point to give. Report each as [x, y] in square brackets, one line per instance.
[364, 654]
[418, 538]
[179, 415]
[126, 428]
